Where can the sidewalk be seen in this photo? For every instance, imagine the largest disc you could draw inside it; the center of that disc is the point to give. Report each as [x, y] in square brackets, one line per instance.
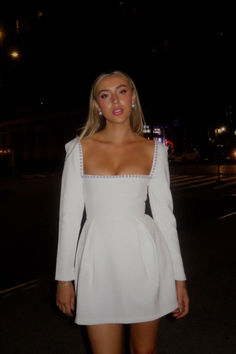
[31, 323]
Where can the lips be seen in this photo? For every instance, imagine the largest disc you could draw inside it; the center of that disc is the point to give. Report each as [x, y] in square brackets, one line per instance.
[117, 111]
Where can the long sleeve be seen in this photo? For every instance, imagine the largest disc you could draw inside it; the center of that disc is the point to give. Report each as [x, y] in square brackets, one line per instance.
[161, 203]
[70, 213]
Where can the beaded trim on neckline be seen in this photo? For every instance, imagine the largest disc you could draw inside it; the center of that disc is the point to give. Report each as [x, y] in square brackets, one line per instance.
[122, 175]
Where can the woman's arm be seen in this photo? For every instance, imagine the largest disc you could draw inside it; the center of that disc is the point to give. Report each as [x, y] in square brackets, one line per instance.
[70, 214]
[162, 209]
[182, 298]
[70, 217]
[65, 297]
[161, 203]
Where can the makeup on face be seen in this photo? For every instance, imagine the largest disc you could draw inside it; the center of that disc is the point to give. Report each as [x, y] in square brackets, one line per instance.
[104, 93]
[114, 96]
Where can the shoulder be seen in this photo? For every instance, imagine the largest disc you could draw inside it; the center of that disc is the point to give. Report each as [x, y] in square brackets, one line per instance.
[150, 144]
[89, 143]
[156, 148]
[69, 146]
[147, 144]
[162, 154]
[162, 147]
[150, 148]
[161, 151]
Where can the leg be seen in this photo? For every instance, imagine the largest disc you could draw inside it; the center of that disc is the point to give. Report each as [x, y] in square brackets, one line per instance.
[105, 338]
[143, 337]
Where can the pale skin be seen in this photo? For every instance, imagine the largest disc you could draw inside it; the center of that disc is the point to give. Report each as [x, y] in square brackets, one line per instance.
[128, 153]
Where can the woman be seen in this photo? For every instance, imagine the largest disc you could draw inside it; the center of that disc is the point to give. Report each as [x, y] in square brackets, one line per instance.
[127, 267]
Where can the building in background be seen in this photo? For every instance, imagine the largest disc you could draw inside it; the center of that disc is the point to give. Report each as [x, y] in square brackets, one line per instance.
[35, 143]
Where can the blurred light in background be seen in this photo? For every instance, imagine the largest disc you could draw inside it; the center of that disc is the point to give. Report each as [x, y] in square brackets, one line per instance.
[1, 36]
[14, 54]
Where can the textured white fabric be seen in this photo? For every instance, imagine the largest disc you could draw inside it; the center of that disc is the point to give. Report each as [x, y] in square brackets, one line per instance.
[126, 262]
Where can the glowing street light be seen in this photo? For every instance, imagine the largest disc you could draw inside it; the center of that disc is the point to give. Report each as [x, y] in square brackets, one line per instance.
[14, 54]
[219, 146]
[220, 130]
[1, 34]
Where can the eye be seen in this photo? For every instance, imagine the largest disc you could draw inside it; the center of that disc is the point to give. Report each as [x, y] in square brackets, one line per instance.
[104, 96]
[123, 91]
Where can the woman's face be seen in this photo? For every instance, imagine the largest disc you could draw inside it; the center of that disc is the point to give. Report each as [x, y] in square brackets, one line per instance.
[114, 97]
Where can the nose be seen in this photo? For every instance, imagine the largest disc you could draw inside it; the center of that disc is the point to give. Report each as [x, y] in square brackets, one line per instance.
[114, 98]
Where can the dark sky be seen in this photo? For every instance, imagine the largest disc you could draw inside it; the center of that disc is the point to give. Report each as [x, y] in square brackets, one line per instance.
[180, 59]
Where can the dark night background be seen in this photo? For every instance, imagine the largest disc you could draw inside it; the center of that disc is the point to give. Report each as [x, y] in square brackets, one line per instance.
[180, 58]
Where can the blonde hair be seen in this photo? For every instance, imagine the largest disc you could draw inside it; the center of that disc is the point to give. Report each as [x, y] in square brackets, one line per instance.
[95, 123]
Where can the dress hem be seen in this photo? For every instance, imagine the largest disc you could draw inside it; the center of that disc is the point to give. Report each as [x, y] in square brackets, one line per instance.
[136, 320]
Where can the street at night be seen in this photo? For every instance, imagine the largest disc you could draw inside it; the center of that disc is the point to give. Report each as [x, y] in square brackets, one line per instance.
[168, 73]
[206, 218]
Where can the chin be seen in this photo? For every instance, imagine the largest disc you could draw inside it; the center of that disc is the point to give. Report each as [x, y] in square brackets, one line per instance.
[121, 120]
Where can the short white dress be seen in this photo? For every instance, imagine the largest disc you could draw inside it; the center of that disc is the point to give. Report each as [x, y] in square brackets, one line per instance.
[125, 262]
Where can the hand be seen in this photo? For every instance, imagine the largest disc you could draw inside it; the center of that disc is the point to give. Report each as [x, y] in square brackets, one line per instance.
[65, 298]
[183, 299]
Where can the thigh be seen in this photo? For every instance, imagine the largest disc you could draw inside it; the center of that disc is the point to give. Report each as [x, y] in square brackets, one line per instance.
[105, 338]
[143, 337]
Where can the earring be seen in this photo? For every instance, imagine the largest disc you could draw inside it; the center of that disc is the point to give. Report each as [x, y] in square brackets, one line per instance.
[100, 113]
[133, 105]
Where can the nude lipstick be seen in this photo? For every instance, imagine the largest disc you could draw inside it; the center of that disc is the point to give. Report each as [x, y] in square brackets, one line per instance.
[117, 111]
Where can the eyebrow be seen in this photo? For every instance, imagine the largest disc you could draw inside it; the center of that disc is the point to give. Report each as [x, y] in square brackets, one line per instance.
[106, 90]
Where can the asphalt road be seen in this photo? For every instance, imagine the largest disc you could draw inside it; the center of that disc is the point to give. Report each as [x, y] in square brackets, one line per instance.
[30, 322]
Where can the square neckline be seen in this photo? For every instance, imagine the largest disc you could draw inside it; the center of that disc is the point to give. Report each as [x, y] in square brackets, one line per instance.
[153, 167]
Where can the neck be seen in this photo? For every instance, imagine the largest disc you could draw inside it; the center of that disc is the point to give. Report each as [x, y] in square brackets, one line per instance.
[117, 133]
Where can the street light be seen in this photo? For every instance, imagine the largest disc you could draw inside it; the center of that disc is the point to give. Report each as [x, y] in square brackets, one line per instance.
[220, 130]
[219, 146]
[14, 54]
[1, 34]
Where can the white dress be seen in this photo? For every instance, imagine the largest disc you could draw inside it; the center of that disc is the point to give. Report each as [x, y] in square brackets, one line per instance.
[125, 263]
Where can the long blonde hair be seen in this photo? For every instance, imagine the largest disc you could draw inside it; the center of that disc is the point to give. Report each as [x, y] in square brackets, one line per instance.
[95, 123]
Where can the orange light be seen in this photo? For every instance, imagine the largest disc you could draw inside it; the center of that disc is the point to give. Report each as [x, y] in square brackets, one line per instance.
[14, 54]
[1, 34]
